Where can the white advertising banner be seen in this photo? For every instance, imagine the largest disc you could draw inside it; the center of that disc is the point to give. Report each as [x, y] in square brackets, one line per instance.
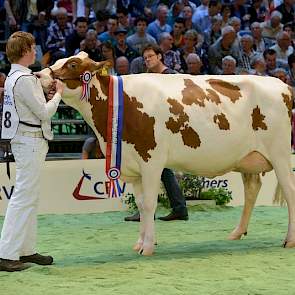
[80, 186]
[70, 186]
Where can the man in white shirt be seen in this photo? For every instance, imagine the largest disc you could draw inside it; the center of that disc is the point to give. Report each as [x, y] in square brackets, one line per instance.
[29, 129]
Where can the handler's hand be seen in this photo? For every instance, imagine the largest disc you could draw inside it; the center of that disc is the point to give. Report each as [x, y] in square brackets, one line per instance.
[59, 86]
[51, 91]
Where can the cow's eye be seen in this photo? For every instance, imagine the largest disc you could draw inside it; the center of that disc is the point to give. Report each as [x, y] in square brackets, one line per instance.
[72, 65]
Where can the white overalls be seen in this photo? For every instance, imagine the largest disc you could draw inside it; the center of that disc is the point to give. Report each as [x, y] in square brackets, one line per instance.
[29, 147]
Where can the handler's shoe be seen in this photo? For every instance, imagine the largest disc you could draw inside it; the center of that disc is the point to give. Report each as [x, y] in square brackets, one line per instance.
[12, 265]
[37, 258]
[174, 216]
[134, 217]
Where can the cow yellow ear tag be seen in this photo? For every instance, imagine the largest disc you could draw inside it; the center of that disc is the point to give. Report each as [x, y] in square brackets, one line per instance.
[86, 78]
[104, 71]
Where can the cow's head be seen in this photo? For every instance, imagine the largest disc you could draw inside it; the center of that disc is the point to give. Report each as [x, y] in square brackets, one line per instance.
[70, 70]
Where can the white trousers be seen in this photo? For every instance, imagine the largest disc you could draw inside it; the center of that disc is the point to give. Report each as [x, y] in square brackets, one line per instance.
[19, 231]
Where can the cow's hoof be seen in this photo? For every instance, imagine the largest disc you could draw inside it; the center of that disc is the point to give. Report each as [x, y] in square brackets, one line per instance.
[146, 251]
[236, 235]
[290, 244]
[137, 247]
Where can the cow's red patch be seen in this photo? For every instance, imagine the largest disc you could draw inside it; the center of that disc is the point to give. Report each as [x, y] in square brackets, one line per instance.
[257, 119]
[221, 121]
[138, 127]
[288, 102]
[227, 89]
[193, 94]
[180, 125]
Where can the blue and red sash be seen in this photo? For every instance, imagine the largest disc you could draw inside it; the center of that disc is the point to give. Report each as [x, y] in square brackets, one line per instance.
[114, 135]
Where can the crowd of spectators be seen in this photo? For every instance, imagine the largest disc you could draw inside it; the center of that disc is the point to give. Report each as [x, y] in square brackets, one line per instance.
[196, 36]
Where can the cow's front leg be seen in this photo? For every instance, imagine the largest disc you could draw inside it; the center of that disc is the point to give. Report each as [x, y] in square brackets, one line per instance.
[151, 186]
[137, 186]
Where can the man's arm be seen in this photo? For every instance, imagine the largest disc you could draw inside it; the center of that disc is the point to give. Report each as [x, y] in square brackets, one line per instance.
[35, 100]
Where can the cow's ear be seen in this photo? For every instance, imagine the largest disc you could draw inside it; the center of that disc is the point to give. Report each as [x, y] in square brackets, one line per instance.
[104, 66]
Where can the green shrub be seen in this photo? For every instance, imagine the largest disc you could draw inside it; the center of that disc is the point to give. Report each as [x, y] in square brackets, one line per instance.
[222, 196]
[192, 189]
[191, 186]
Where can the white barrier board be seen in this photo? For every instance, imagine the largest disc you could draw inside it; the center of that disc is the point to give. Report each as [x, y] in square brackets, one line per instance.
[79, 186]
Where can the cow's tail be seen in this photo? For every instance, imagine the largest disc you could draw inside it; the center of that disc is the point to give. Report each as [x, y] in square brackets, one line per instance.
[279, 198]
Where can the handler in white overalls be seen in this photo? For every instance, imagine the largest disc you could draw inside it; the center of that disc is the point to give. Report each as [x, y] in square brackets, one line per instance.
[26, 119]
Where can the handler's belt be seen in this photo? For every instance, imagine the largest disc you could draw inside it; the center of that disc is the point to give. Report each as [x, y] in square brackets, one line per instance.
[29, 124]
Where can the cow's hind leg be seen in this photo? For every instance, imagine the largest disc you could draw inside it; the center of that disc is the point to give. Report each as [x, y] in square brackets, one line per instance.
[252, 185]
[287, 182]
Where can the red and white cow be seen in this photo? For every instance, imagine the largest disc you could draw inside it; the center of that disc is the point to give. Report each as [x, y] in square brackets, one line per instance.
[204, 125]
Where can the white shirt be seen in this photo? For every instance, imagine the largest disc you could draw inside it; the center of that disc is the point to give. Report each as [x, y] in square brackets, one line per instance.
[31, 104]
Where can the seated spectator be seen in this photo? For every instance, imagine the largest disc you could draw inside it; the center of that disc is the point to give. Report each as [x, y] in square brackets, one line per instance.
[108, 53]
[57, 34]
[213, 34]
[138, 66]
[194, 64]
[122, 66]
[228, 65]
[91, 149]
[187, 13]
[283, 48]
[91, 46]
[140, 39]
[121, 48]
[159, 25]
[100, 23]
[201, 9]
[270, 57]
[247, 54]
[287, 11]
[124, 20]
[191, 38]
[257, 11]
[73, 40]
[281, 74]
[225, 14]
[272, 27]
[191, 4]
[259, 44]
[221, 48]
[259, 66]
[173, 13]
[109, 35]
[177, 33]
[171, 58]
[290, 29]
[202, 19]
[235, 22]
[238, 9]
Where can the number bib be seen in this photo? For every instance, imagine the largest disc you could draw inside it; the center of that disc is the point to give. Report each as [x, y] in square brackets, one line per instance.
[10, 118]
